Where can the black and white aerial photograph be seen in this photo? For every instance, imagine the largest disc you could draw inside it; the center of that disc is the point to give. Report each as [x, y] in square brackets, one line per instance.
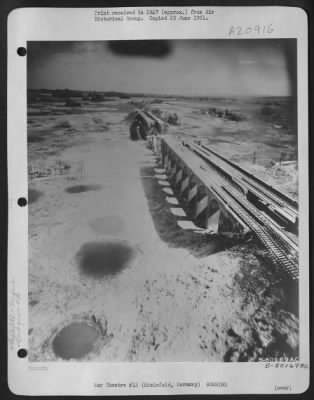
[162, 200]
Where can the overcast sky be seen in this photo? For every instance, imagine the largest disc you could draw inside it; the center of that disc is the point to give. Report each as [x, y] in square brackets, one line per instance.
[183, 67]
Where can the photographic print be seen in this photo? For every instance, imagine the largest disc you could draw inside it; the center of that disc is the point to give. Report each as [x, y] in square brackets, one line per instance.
[158, 201]
[163, 200]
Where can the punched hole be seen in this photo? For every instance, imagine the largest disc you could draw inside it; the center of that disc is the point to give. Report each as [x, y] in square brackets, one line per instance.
[22, 202]
[22, 353]
[21, 51]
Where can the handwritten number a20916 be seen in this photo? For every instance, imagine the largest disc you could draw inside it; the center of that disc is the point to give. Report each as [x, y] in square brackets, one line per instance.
[256, 29]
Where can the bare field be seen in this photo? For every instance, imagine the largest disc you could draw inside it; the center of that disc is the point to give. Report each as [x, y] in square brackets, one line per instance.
[106, 250]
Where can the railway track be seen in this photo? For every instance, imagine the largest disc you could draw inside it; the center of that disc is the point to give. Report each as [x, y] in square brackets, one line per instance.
[269, 214]
[281, 205]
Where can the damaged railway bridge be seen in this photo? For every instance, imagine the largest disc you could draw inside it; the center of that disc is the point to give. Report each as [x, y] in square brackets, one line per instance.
[224, 198]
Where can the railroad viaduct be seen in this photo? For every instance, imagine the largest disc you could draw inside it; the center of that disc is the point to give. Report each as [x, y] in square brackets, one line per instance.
[223, 198]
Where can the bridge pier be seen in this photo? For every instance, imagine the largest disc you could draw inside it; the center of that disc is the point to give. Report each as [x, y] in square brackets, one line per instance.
[185, 181]
[192, 193]
[213, 222]
[168, 165]
[173, 168]
[214, 215]
[201, 207]
[178, 178]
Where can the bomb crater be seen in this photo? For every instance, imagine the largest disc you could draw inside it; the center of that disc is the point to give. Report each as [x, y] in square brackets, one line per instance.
[75, 341]
[83, 188]
[100, 259]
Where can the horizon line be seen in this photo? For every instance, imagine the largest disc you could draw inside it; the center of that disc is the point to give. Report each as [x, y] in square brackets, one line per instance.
[164, 94]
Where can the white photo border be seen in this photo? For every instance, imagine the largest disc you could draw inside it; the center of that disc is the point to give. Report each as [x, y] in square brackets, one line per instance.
[66, 378]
